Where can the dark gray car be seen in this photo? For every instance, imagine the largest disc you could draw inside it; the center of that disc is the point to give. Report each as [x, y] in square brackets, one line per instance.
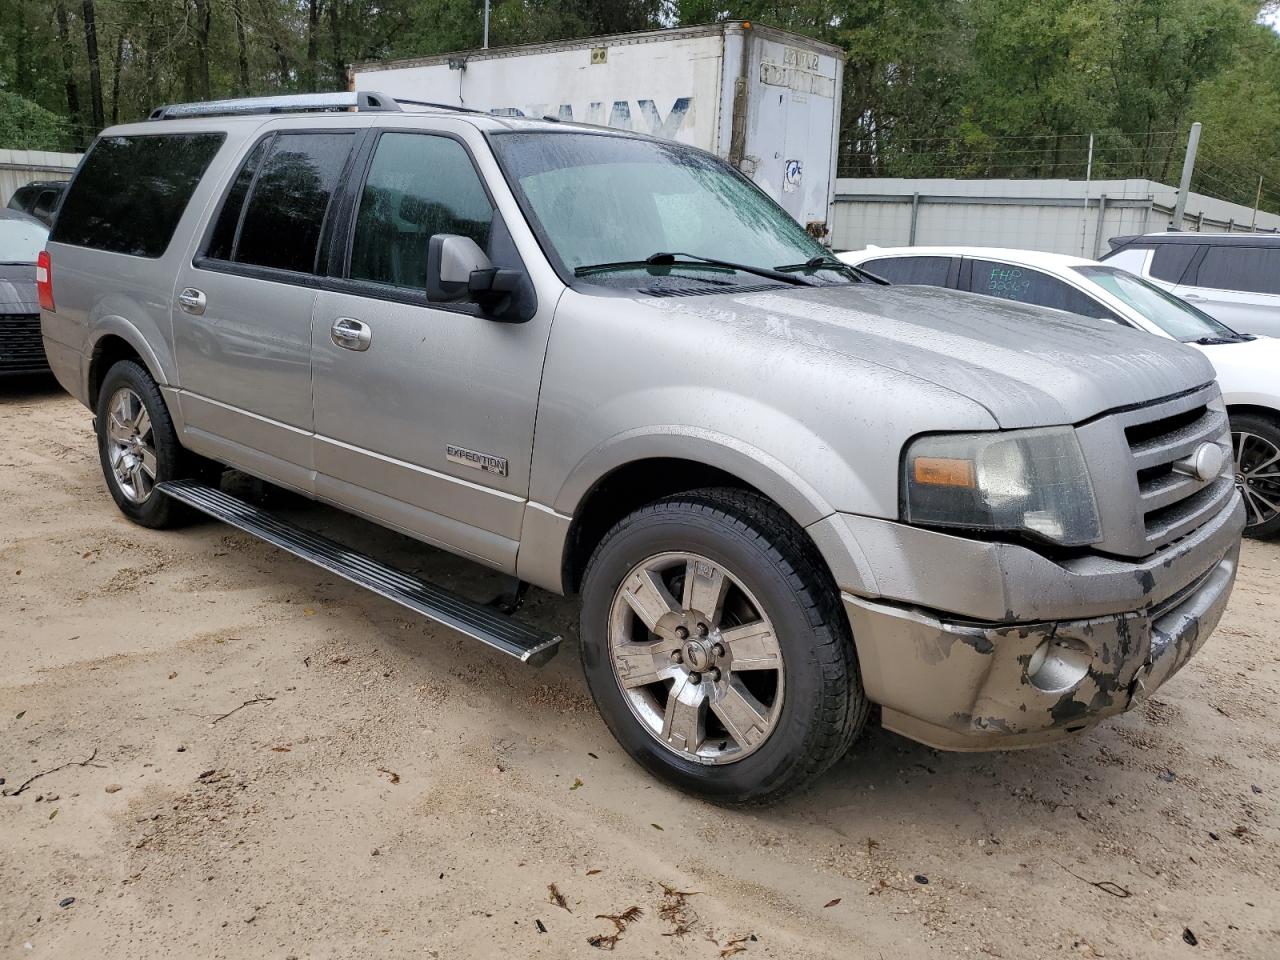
[21, 239]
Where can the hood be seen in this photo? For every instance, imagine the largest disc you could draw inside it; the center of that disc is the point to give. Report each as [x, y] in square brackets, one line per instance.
[1029, 366]
[1247, 370]
[18, 288]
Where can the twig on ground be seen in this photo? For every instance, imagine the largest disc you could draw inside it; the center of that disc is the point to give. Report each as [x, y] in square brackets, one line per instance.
[241, 707]
[1106, 886]
[87, 762]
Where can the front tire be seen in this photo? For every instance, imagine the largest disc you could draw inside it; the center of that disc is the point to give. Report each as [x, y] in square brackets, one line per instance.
[138, 446]
[1255, 446]
[716, 649]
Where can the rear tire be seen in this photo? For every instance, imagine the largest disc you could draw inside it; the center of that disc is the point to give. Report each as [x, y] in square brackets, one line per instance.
[1255, 441]
[741, 688]
[138, 447]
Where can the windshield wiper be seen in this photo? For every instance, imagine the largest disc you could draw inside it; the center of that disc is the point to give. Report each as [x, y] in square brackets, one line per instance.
[669, 260]
[835, 263]
[1213, 341]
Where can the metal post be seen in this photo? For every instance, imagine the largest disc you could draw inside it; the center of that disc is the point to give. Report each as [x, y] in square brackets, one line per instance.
[1088, 176]
[1256, 203]
[1097, 233]
[915, 211]
[486, 24]
[1184, 186]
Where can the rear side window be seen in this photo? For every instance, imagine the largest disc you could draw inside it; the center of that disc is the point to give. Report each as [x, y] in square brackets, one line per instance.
[932, 271]
[418, 185]
[1128, 258]
[276, 208]
[1231, 267]
[130, 192]
[1010, 282]
[1171, 260]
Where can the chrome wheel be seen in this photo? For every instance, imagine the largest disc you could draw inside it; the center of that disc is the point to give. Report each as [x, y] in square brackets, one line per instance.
[704, 673]
[1257, 463]
[130, 445]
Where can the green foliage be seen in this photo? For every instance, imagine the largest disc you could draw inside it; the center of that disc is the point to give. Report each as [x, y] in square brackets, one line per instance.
[932, 87]
[27, 126]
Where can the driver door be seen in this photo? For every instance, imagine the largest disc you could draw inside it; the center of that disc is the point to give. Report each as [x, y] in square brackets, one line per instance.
[424, 412]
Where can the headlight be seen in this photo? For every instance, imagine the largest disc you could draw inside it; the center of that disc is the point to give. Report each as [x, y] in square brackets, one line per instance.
[1032, 481]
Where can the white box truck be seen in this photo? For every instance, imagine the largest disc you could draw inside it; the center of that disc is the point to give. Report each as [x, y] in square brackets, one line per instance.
[766, 100]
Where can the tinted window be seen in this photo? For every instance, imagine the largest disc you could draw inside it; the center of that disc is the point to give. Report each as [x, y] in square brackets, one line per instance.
[928, 270]
[418, 186]
[1171, 260]
[222, 242]
[1252, 269]
[1025, 285]
[290, 199]
[130, 192]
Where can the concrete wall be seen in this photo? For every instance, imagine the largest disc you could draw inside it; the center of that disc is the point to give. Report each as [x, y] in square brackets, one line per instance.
[1057, 216]
[20, 167]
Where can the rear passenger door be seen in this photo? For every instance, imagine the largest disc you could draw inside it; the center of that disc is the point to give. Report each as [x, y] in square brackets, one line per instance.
[1237, 284]
[242, 312]
[424, 417]
[1011, 281]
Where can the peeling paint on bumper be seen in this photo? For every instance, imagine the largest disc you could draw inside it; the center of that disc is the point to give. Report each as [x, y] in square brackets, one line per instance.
[967, 686]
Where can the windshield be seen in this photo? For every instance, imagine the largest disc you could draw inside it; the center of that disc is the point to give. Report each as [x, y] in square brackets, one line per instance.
[21, 240]
[1175, 317]
[610, 203]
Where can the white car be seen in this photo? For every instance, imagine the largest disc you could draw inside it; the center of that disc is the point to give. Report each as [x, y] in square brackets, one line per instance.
[1248, 367]
[1233, 277]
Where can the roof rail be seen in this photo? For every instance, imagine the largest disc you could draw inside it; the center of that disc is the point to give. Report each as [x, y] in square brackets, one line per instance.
[291, 103]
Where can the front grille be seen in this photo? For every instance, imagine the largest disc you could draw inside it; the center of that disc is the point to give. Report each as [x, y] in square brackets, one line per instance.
[21, 348]
[1145, 503]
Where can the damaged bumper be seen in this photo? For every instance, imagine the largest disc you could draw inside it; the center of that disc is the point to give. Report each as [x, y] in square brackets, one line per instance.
[957, 684]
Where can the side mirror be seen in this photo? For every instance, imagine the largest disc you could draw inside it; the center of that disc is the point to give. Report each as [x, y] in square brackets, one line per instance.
[457, 269]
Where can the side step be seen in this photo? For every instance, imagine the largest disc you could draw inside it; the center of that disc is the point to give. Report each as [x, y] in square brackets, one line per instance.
[476, 620]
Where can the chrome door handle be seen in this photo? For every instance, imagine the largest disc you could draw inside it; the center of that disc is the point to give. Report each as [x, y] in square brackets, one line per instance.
[192, 301]
[351, 334]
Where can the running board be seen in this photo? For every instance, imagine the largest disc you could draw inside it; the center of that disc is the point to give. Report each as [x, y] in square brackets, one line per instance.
[476, 620]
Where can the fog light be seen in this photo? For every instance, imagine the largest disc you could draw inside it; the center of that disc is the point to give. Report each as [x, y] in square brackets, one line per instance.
[1058, 664]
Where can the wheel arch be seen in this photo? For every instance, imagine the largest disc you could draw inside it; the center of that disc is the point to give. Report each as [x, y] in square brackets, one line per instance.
[619, 485]
[112, 343]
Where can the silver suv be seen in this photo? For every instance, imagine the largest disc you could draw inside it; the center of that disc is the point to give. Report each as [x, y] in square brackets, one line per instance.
[608, 364]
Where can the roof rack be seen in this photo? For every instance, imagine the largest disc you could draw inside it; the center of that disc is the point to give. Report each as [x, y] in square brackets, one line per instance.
[292, 103]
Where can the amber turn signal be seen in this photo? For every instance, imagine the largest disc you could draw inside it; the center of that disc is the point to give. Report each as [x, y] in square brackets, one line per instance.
[943, 472]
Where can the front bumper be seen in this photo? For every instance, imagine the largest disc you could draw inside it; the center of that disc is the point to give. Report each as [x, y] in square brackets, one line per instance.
[962, 684]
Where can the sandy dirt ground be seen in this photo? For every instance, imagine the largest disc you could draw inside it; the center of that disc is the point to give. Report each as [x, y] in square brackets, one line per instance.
[394, 790]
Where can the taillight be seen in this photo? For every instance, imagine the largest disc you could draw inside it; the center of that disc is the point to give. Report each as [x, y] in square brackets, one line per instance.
[44, 280]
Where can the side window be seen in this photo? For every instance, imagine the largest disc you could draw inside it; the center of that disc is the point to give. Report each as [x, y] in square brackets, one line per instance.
[1171, 260]
[418, 185]
[1232, 267]
[1009, 282]
[932, 271]
[130, 192]
[289, 189]
[1130, 259]
[222, 243]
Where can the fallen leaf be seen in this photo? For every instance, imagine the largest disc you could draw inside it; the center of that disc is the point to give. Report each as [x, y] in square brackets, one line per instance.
[391, 774]
[54, 814]
[556, 897]
[831, 903]
[21, 714]
[539, 924]
[1188, 937]
[655, 826]
[341, 661]
[308, 612]
[592, 873]
[577, 782]
[280, 749]
[173, 674]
